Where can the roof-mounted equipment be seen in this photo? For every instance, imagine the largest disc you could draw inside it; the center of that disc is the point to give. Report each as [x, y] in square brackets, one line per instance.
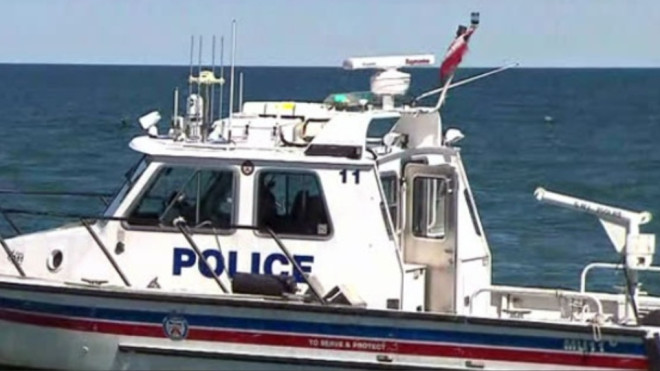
[389, 82]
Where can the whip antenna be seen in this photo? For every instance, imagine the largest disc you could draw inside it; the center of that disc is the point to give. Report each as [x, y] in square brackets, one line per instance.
[199, 64]
[211, 107]
[233, 59]
[240, 92]
[222, 75]
[190, 74]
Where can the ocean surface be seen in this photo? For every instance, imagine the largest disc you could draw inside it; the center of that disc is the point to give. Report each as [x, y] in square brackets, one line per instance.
[592, 133]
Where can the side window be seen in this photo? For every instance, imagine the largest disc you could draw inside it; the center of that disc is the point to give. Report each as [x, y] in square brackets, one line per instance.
[429, 207]
[291, 203]
[204, 198]
[391, 189]
[378, 127]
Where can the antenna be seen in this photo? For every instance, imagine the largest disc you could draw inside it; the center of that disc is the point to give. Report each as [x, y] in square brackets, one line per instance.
[240, 91]
[176, 125]
[233, 59]
[192, 47]
[211, 107]
[176, 103]
[199, 66]
[222, 74]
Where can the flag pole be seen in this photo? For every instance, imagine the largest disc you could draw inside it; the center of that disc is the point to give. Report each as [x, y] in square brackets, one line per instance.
[454, 55]
[466, 81]
[443, 96]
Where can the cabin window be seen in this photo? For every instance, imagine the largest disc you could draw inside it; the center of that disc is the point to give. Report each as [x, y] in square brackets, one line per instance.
[291, 203]
[429, 207]
[378, 127]
[391, 190]
[203, 197]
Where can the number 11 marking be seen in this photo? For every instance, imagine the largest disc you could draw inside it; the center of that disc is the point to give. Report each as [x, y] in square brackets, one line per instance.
[344, 176]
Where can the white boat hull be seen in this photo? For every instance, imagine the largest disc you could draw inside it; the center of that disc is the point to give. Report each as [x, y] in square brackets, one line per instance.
[58, 327]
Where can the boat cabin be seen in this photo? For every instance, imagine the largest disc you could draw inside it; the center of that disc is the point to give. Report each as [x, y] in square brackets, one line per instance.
[367, 199]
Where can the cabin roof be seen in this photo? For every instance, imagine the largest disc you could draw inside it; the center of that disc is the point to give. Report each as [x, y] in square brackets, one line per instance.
[166, 147]
[253, 139]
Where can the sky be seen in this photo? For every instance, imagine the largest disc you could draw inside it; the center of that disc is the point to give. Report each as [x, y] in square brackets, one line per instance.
[534, 33]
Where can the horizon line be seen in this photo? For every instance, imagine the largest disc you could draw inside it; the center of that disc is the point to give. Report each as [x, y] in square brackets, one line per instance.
[121, 64]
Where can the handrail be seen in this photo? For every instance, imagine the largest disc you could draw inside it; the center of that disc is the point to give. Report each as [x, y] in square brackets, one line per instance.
[11, 257]
[589, 267]
[101, 195]
[294, 263]
[180, 223]
[586, 269]
[11, 222]
[112, 261]
[72, 215]
[54, 193]
[537, 292]
[85, 218]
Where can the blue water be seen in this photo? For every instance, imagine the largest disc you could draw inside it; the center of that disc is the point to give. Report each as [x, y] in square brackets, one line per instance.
[67, 128]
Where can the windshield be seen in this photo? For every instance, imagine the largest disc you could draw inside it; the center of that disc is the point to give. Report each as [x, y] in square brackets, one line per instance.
[203, 197]
[130, 177]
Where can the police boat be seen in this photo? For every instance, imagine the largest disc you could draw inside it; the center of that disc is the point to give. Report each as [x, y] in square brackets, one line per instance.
[340, 234]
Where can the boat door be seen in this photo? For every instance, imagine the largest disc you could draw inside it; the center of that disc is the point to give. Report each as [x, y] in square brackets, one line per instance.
[429, 231]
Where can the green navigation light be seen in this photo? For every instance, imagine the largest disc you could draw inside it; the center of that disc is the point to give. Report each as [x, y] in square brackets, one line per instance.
[341, 98]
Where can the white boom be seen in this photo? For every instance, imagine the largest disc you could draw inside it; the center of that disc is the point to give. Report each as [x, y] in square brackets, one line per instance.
[610, 213]
[622, 226]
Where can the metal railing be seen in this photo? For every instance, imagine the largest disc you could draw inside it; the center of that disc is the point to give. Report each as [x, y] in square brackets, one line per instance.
[180, 223]
[85, 221]
[614, 266]
[539, 293]
[183, 228]
[102, 196]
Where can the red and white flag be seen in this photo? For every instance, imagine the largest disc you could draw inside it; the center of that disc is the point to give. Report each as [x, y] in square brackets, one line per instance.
[456, 51]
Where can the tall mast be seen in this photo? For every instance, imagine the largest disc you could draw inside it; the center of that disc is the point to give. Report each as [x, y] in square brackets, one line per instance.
[233, 59]
[199, 65]
[222, 75]
[190, 73]
[211, 107]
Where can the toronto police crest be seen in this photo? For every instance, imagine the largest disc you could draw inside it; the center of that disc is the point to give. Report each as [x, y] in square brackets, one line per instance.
[175, 327]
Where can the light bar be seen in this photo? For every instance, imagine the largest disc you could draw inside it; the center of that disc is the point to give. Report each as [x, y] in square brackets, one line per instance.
[388, 62]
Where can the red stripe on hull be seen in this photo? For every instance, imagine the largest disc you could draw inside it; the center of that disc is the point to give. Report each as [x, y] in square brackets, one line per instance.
[332, 343]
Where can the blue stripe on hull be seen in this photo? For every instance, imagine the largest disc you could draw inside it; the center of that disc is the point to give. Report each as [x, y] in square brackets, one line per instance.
[316, 328]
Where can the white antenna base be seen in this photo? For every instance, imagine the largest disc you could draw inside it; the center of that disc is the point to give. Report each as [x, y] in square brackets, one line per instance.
[390, 82]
